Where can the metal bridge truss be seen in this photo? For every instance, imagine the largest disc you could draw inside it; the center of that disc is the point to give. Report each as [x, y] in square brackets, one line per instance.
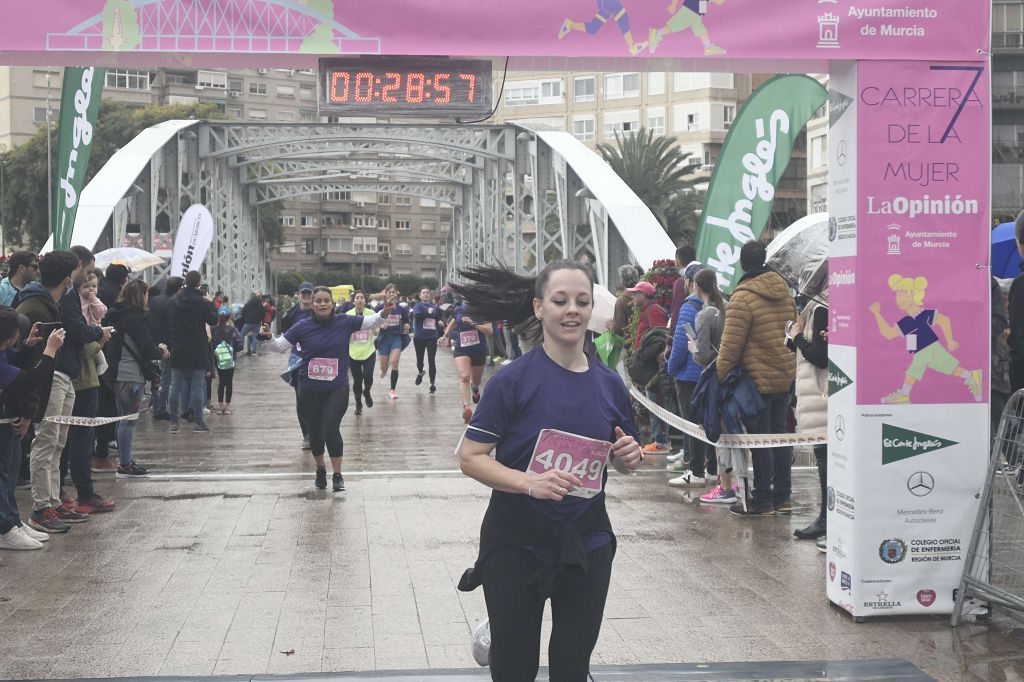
[514, 199]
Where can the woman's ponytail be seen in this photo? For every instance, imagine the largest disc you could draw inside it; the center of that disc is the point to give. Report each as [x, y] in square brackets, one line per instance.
[497, 294]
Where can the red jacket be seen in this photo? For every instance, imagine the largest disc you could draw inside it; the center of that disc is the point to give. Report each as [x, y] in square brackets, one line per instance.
[653, 315]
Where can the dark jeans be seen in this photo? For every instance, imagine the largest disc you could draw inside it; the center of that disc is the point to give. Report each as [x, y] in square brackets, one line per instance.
[362, 378]
[225, 384]
[702, 455]
[187, 392]
[515, 616]
[430, 347]
[998, 404]
[773, 467]
[77, 454]
[10, 463]
[108, 408]
[323, 411]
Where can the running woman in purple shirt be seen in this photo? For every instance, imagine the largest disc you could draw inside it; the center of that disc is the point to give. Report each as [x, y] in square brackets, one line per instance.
[470, 340]
[322, 341]
[426, 326]
[546, 533]
[392, 338]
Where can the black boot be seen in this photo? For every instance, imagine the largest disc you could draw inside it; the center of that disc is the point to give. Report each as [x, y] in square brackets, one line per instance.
[813, 531]
[818, 526]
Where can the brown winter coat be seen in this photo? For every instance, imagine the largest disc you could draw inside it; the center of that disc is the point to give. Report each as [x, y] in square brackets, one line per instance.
[755, 333]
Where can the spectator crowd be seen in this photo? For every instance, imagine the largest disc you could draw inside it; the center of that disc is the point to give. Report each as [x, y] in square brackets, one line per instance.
[79, 348]
[754, 364]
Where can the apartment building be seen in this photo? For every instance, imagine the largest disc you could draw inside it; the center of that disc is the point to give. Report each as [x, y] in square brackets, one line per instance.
[1007, 109]
[696, 108]
[365, 234]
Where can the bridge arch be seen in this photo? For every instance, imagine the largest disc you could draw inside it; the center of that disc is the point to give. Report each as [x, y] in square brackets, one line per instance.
[520, 197]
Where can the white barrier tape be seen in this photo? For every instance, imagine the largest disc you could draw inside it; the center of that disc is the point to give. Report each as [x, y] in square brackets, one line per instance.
[90, 421]
[79, 421]
[728, 440]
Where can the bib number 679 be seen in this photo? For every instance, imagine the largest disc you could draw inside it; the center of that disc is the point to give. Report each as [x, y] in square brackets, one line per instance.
[585, 468]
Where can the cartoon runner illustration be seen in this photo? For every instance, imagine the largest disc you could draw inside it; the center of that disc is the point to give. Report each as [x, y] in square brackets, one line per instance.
[606, 9]
[922, 341]
[688, 17]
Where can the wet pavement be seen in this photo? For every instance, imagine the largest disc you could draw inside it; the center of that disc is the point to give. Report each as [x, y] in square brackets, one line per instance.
[230, 562]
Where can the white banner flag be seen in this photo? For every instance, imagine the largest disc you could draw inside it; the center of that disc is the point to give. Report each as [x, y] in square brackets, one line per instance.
[195, 234]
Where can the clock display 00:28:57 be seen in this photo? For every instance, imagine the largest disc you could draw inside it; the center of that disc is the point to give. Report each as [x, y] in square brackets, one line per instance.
[408, 87]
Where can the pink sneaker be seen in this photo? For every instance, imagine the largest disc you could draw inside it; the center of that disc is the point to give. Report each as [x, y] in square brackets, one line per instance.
[719, 496]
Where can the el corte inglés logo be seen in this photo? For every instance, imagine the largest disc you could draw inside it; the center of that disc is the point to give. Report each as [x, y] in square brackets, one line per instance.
[837, 378]
[899, 443]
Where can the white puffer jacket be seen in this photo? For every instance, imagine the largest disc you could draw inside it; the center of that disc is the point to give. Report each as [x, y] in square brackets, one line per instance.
[811, 384]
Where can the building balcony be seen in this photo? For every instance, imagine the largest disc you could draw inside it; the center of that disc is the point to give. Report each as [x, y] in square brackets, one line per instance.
[348, 258]
[1004, 42]
[1007, 96]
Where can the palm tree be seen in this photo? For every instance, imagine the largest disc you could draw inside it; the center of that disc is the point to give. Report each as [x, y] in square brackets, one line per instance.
[655, 168]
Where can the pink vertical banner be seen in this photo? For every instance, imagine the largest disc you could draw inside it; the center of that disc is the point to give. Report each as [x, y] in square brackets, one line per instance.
[923, 232]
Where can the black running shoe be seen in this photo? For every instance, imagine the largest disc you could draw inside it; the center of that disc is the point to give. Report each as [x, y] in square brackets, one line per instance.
[419, 378]
[368, 399]
[359, 410]
[476, 395]
[433, 388]
[338, 483]
[321, 477]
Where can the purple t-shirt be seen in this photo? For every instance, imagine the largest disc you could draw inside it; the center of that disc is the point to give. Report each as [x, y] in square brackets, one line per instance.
[534, 393]
[921, 325]
[421, 312]
[462, 325]
[395, 324]
[324, 350]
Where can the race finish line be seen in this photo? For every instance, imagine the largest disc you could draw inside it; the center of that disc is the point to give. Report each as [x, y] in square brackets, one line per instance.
[730, 440]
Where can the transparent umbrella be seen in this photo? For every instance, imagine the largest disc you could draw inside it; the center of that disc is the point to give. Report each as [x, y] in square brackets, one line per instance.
[800, 254]
[130, 257]
[604, 309]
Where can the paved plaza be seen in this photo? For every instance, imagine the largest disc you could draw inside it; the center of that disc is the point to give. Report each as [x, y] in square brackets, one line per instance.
[229, 561]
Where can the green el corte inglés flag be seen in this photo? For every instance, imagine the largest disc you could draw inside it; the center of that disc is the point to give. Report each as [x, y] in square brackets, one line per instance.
[754, 157]
[79, 105]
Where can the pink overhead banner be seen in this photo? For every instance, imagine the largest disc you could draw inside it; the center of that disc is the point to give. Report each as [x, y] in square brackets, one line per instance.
[267, 32]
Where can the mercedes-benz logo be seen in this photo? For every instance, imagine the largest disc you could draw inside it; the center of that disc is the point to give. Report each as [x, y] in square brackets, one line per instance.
[920, 483]
[841, 153]
[840, 427]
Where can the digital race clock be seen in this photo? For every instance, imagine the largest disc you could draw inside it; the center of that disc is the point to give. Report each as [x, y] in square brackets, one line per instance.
[405, 86]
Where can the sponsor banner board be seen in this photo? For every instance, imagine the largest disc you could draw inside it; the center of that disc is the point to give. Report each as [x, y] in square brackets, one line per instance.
[909, 382]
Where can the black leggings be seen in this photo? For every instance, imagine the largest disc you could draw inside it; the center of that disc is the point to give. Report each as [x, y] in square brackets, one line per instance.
[576, 610]
[322, 411]
[362, 377]
[429, 345]
[225, 383]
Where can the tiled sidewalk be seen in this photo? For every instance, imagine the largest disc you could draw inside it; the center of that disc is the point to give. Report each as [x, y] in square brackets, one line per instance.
[222, 577]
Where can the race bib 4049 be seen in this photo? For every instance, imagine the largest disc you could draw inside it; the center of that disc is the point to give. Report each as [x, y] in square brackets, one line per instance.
[585, 458]
[393, 321]
[471, 338]
[429, 323]
[323, 369]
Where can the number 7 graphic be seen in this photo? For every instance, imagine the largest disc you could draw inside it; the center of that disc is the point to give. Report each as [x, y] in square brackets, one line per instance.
[978, 70]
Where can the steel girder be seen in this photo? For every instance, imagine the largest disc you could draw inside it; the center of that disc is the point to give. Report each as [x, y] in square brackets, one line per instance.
[268, 191]
[515, 201]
